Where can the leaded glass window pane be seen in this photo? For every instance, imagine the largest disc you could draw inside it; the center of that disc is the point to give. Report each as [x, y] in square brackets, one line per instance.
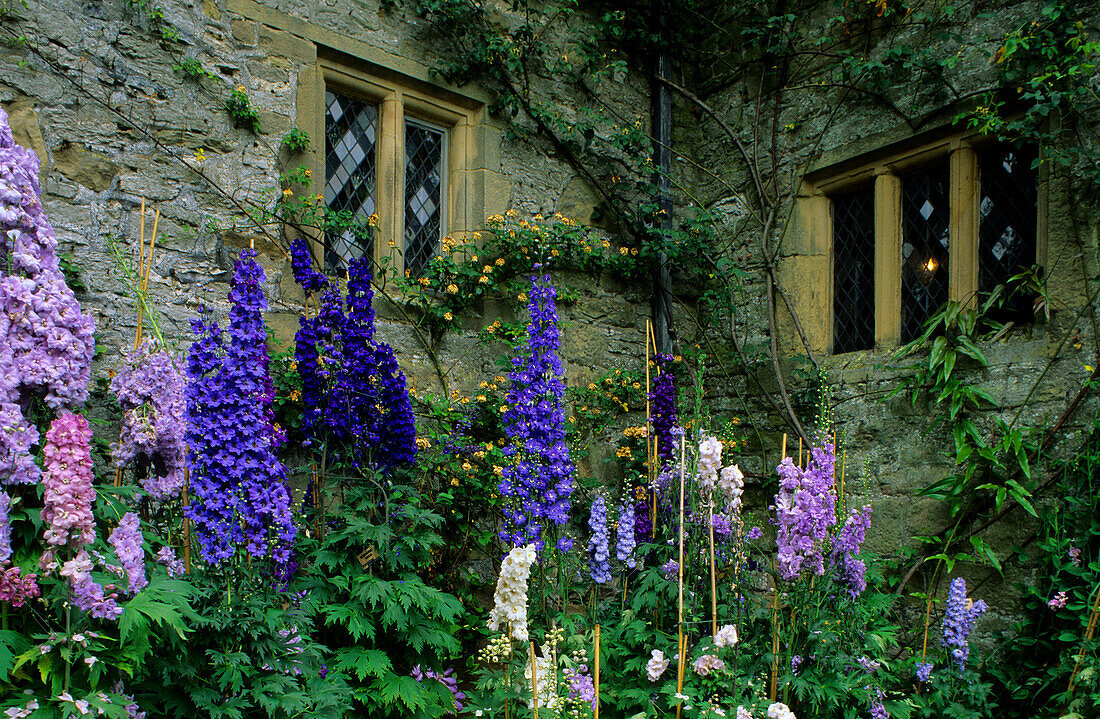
[424, 147]
[1007, 228]
[350, 175]
[854, 270]
[925, 244]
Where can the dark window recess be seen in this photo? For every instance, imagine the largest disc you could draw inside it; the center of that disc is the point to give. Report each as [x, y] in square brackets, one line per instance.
[350, 159]
[423, 195]
[925, 246]
[1007, 228]
[854, 271]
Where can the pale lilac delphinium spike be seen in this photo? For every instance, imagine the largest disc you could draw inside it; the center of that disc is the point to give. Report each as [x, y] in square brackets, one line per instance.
[805, 510]
[958, 621]
[851, 571]
[581, 687]
[656, 665]
[624, 547]
[17, 436]
[599, 550]
[127, 539]
[151, 390]
[167, 556]
[5, 527]
[46, 340]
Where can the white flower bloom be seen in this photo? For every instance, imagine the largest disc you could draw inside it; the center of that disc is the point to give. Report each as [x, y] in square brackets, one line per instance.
[743, 713]
[726, 636]
[656, 665]
[732, 484]
[780, 710]
[510, 599]
[710, 459]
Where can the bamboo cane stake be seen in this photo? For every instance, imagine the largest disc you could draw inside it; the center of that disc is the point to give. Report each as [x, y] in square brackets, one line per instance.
[680, 607]
[534, 683]
[927, 621]
[783, 452]
[1089, 631]
[141, 284]
[596, 674]
[775, 644]
[713, 573]
[140, 272]
[186, 522]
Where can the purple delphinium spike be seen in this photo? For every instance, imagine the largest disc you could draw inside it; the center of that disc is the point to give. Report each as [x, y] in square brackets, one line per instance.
[353, 391]
[240, 492]
[959, 620]
[301, 264]
[662, 402]
[538, 481]
[397, 425]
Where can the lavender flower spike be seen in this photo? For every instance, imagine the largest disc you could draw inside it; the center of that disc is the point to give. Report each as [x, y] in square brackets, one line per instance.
[959, 621]
[599, 553]
[624, 548]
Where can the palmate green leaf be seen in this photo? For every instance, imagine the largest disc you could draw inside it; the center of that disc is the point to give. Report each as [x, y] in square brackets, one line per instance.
[372, 591]
[408, 691]
[362, 662]
[12, 644]
[347, 615]
[156, 604]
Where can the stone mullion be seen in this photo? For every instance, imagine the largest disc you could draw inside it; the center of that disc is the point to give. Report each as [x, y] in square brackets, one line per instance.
[887, 260]
[964, 194]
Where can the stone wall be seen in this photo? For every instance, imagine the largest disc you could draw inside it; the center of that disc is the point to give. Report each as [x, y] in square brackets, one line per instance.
[114, 122]
[892, 446]
[94, 92]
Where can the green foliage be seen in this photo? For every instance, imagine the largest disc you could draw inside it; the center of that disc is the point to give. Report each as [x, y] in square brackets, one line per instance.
[191, 68]
[250, 653]
[986, 462]
[1046, 68]
[240, 110]
[383, 619]
[1050, 648]
[296, 141]
[155, 16]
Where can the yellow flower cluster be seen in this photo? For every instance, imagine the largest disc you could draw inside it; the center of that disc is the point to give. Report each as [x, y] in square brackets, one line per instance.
[635, 432]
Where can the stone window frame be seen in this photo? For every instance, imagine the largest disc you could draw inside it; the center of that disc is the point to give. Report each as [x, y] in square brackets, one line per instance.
[400, 98]
[477, 187]
[811, 250]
